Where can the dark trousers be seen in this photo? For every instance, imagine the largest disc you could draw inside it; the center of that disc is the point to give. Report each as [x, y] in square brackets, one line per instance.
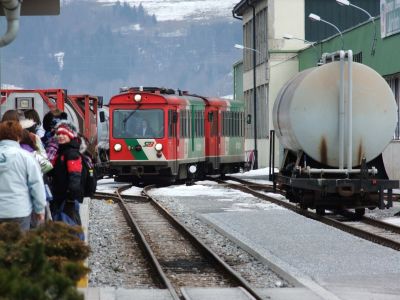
[68, 207]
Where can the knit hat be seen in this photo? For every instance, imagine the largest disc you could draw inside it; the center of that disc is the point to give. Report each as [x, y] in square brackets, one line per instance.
[67, 128]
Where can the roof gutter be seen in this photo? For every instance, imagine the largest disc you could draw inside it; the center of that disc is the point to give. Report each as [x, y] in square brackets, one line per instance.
[12, 11]
[235, 16]
[238, 9]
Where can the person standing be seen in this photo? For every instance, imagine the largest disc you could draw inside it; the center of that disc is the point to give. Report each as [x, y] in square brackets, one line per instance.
[33, 144]
[10, 115]
[66, 175]
[37, 127]
[22, 190]
[49, 139]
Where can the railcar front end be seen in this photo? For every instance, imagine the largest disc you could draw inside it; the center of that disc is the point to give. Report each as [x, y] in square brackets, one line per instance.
[155, 134]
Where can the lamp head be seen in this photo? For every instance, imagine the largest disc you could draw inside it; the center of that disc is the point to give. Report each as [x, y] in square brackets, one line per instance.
[238, 46]
[287, 36]
[343, 2]
[314, 17]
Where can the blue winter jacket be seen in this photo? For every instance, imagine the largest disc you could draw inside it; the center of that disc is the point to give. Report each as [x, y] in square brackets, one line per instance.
[21, 182]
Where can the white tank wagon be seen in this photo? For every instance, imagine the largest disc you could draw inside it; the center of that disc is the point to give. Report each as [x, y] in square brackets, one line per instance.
[306, 114]
[334, 128]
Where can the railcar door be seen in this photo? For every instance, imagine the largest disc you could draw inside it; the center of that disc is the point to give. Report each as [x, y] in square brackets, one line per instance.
[173, 141]
[214, 139]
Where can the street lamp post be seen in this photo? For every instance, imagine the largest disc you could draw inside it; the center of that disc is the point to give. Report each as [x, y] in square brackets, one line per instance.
[312, 44]
[314, 17]
[291, 37]
[347, 3]
[246, 48]
[255, 164]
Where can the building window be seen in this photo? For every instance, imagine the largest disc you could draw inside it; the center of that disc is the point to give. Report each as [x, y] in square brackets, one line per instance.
[358, 57]
[394, 83]
[261, 40]
[262, 112]
[248, 42]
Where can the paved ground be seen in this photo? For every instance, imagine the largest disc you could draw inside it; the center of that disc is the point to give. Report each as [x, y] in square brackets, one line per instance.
[324, 262]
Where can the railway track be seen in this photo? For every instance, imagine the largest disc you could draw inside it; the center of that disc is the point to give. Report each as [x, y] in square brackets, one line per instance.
[177, 257]
[143, 275]
[367, 228]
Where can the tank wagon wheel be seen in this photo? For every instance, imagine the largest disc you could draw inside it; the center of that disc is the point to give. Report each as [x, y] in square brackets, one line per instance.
[338, 211]
[320, 211]
[359, 212]
[122, 178]
[303, 205]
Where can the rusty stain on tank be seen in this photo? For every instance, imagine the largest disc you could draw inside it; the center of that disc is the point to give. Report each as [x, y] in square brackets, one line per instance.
[323, 150]
[360, 152]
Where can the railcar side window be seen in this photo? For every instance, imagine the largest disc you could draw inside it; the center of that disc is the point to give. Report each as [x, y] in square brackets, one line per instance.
[198, 123]
[171, 124]
[185, 124]
[139, 124]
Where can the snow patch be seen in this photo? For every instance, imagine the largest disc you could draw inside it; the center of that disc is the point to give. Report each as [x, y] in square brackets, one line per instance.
[174, 10]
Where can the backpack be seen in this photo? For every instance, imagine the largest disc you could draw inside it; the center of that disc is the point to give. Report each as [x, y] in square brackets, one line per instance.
[88, 176]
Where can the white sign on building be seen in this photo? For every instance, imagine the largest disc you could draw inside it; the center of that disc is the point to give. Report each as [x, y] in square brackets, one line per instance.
[390, 17]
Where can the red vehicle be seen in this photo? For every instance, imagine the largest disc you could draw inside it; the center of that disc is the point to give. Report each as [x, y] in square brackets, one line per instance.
[81, 109]
[157, 133]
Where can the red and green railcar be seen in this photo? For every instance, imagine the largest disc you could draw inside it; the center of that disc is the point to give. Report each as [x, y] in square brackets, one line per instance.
[156, 133]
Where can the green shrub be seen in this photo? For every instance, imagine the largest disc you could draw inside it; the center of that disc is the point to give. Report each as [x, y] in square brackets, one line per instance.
[41, 264]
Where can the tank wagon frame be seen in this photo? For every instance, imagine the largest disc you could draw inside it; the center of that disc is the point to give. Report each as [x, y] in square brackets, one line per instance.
[329, 189]
[332, 155]
[193, 135]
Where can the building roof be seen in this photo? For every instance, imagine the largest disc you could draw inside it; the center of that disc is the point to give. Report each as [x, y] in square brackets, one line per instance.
[240, 8]
[38, 8]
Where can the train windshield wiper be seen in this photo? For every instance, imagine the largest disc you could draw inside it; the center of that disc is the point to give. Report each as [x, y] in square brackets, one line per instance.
[130, 115]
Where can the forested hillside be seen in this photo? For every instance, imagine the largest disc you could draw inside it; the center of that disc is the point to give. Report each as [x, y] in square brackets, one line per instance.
[96, 49]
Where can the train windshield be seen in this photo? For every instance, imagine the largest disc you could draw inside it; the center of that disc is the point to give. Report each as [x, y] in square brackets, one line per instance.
[138, 124]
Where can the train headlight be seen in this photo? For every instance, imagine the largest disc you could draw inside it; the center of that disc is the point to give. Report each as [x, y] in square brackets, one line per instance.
[117, 147]
[138, 98]
[158, 147]
[192, 169]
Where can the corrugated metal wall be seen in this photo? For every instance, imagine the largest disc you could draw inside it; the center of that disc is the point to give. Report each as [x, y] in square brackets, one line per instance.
[341, 16]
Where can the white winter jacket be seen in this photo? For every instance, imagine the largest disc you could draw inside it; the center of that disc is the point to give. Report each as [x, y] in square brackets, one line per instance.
[21, 182]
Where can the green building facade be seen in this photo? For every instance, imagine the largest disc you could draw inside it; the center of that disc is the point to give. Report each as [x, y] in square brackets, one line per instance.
[383, 55]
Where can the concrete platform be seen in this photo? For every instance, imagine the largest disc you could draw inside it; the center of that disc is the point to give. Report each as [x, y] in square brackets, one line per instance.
[84, 214]
[330, 263]
[297, 293]
[125, 294]
[215, 294]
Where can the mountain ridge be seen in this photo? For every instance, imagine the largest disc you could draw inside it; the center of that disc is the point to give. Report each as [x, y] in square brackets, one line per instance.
[184, 9]
[99, 48]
